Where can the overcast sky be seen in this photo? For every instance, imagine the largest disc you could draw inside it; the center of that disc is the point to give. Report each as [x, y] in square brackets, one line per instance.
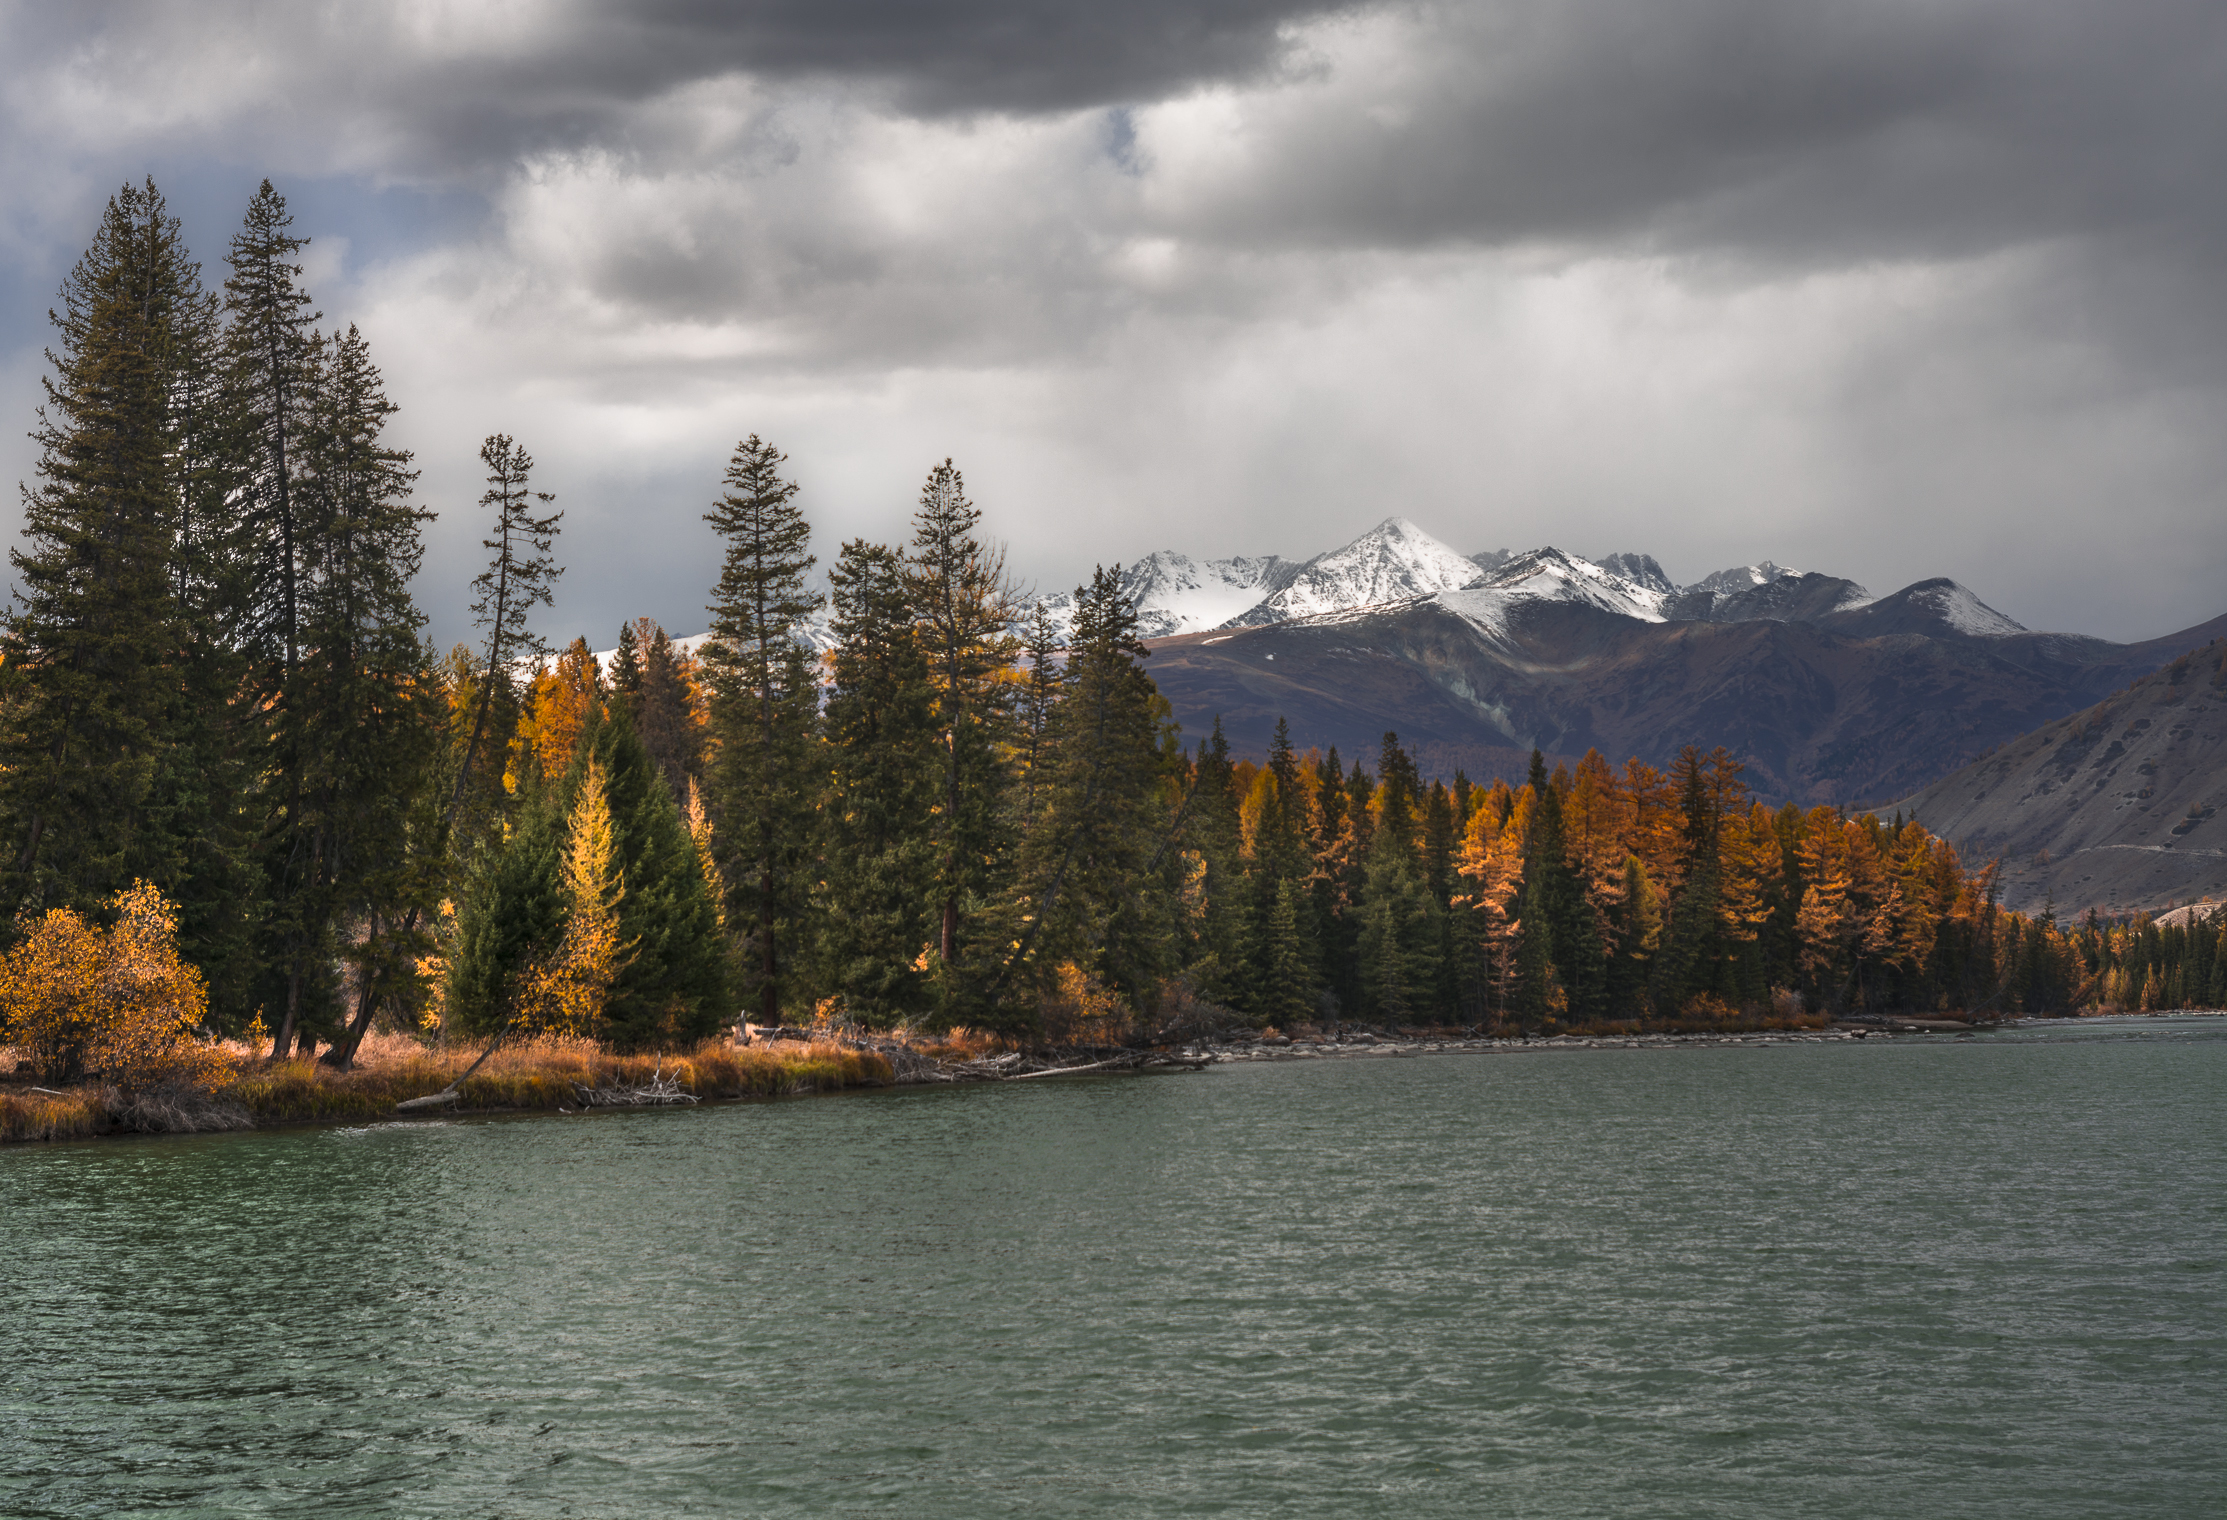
[1886, 288]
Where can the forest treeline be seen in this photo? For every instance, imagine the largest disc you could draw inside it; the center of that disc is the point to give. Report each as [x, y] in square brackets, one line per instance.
[217, 687]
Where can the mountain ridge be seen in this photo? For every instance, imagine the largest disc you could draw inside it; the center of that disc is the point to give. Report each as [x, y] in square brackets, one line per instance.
[1396, 561]
[2119, 807]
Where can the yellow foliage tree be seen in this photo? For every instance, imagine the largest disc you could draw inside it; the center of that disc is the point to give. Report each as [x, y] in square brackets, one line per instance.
[1082, 1010]
[699, 831]
[117, 1004]
[1491, 867]
[565, 993]
[566, 700]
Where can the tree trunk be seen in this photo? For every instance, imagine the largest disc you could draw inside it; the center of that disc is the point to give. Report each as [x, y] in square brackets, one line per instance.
[284, 1044]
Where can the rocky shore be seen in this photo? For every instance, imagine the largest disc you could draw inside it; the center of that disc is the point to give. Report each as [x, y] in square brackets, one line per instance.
[1381, 1044]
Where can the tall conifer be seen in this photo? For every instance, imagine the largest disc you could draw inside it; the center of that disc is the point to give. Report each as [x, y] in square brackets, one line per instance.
[116, 755]
[1089, 894]
[520, 576]
[875, 907]
[966, 610]
[764, 706]
[364, 714]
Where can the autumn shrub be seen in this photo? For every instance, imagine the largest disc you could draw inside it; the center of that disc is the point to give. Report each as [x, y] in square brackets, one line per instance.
[1082, 1010]
[959, 1043]
[115, 1005]
[1707, 1008]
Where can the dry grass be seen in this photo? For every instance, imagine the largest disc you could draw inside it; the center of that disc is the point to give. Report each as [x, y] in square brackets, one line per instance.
[70, 1115]
[532, 1074]
[541, 1074]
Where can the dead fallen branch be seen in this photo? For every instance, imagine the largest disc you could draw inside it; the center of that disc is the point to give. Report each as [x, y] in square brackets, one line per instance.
[660, 1091]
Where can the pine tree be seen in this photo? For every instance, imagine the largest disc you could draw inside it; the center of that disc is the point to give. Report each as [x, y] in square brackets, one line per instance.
[665, 713]
[1212, 832]
[764, 705]
[567, 704]
[626, 665]
[674, 988]
[966, 611]
[510, 916]
[567, 991]
[521, 576]
[271, 356]
[1401, 936]
[874, 909]
[1689, 960]
[1089, 894]
[363, 716]
[1289, 983]
[1539, 990]
[1637, 920]
[1038, 700]
[98, 701]
[1280, 855]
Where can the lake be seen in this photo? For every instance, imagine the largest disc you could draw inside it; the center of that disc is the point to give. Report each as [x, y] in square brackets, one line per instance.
[1969, 1276]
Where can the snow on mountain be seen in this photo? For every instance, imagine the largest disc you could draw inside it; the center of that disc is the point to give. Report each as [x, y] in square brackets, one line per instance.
[693, 644]
[1396, 561]
[1174, 593]
[1740, 578]
[1963, 611]
[1767, 591]
[1392, 562]
[1550, 575]
[1639, 569]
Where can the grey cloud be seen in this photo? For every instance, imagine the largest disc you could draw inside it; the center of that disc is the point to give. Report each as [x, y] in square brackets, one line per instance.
[1830, 132]
[468, 91]
[1496, 264]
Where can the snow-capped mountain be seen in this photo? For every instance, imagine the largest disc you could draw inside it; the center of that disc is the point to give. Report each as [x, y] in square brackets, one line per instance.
[1393, 561]
[1175, 593]
[1956, 606]
[1740, 578]
[1396, 562]
[1639, 569]
[1397, 565]
[1550, 575]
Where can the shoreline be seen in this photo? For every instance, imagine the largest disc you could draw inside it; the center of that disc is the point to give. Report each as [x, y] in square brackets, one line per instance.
[93, 1120]
[1379, 1044]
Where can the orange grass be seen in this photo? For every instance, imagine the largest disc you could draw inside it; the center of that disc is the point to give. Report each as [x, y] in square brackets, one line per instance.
[540, 1074]
[39, 1116]
[531, 1074]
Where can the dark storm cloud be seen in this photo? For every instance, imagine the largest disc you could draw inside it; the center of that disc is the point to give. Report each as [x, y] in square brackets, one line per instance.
[468, 88]
[1828, 131]
[1811, 132]
[1885, 287]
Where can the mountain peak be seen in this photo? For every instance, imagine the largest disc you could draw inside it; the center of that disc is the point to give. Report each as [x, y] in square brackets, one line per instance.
[1549, 574]
[1640, 570]
[1936, 606]
[1393, 561]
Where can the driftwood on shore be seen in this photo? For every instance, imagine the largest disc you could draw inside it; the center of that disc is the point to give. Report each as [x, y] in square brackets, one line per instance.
[449, 1094]
[660, 1091]
[1019, 1066]
[910, 1067]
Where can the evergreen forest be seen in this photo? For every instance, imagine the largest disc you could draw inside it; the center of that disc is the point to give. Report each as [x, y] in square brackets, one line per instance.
[217, 688]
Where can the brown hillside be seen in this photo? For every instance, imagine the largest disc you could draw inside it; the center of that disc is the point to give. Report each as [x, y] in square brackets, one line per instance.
[2120, 807]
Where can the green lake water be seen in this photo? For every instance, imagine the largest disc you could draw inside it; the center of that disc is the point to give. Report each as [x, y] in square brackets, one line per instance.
[1976, 1276]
